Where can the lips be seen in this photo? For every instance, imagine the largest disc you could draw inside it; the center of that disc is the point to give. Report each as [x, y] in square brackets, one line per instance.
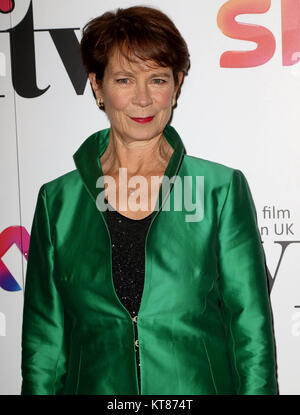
[142, 120]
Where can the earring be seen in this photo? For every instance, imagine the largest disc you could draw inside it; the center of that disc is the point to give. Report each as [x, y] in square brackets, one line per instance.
[100, 103]
[173, 102]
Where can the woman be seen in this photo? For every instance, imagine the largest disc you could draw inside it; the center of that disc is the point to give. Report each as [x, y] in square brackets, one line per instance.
[144, 297]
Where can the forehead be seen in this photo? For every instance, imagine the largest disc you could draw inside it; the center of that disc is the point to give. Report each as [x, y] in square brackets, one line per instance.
[118, 61]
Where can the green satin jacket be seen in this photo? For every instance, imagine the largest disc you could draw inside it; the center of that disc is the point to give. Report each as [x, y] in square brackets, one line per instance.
[204, 323]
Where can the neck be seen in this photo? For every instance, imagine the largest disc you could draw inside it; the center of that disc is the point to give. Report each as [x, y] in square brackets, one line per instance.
[140, 157]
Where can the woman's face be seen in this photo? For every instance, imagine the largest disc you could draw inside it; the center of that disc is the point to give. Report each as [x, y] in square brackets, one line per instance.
[133, 93]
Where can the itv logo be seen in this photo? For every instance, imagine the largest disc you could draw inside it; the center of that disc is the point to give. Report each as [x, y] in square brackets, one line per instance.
[6, 6]
[22, 52]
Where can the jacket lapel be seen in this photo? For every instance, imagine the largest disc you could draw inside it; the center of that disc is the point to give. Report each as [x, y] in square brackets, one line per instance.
[87, 162]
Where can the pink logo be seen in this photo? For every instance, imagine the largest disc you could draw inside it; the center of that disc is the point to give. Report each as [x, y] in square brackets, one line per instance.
[12, 235]
[6, 6]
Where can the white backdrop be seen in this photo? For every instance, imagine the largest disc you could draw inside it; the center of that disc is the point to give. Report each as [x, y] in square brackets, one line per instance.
[243, 117]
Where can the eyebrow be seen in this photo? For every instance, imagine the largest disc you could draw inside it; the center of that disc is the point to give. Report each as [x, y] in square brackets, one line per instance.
[162, 74]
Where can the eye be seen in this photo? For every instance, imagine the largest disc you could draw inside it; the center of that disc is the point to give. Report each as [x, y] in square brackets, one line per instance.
[159, 81]
[123, 81]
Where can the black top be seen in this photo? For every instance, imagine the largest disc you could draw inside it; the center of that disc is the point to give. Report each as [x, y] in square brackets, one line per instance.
[128, 261]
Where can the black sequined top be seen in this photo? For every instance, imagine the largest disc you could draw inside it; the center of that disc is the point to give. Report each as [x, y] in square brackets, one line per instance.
[128, 262]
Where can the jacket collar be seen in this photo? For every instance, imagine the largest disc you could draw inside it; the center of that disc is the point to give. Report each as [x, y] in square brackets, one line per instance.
[87, 161]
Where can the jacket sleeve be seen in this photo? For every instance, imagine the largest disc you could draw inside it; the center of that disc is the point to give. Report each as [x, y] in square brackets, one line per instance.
[244, 292]
[43, 343]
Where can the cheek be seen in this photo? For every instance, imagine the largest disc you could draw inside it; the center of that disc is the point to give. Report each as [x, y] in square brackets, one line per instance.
[117, 101]
[164, 98]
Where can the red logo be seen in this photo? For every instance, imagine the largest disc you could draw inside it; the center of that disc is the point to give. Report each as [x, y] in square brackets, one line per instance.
[6, 6]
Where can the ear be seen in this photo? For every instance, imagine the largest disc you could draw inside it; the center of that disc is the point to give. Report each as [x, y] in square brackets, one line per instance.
[92, 78]
[180, 79]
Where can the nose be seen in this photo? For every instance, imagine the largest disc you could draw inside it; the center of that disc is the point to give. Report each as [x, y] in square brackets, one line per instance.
[142, 95]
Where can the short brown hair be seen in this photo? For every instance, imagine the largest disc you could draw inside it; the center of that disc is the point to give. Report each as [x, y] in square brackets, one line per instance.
[144, 32]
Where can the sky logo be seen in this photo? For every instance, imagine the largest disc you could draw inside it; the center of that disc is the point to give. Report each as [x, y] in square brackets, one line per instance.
[262, 36]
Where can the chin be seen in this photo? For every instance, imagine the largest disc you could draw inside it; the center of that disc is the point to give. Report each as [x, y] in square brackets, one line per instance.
[143, 132]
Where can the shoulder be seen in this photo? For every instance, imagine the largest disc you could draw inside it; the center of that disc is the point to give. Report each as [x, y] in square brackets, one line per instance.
[218, 178]
[62, 190]
[205, 163]
[65, 181]
[225, 184]
[212, 171]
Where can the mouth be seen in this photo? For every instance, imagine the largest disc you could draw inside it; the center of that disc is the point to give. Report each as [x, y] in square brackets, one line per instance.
[142, 120]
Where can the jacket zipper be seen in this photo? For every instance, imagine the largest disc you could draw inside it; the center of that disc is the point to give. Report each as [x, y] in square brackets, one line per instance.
[115, 294]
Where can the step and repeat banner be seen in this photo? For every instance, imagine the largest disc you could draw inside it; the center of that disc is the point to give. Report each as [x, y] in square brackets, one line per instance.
[239, 106]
